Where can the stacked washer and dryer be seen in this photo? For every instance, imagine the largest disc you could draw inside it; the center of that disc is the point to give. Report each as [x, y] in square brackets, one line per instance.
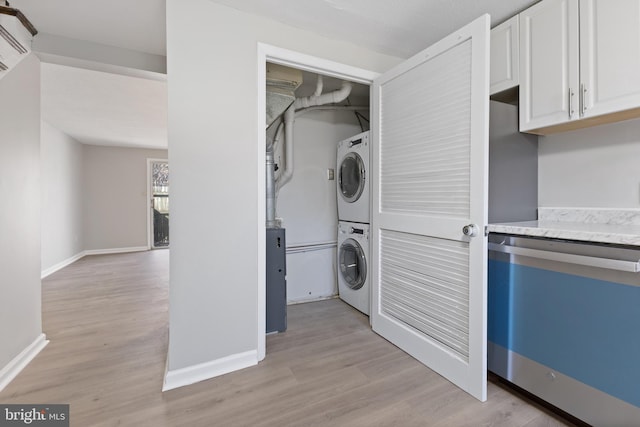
[353, 221]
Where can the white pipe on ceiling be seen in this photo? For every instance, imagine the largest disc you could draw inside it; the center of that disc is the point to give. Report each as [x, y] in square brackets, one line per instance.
[289, 118]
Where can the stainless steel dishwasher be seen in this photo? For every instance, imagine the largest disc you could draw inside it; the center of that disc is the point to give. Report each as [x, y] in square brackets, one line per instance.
[564, 324]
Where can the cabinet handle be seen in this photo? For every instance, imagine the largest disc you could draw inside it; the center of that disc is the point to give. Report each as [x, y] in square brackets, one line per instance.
[583, 99]
[570, 103]
[589, 261]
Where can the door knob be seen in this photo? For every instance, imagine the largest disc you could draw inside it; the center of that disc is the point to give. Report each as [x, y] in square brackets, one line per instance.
[470, 230]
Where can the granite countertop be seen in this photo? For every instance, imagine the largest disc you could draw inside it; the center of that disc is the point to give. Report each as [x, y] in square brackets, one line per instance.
[620, 226]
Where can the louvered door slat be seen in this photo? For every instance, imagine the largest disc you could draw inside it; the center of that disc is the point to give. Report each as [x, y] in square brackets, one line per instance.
[430, 128]
[421, 277]
[413, 145]
[431, 301]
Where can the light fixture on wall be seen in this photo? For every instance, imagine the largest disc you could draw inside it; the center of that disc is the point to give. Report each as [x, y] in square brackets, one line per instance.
[16, 33]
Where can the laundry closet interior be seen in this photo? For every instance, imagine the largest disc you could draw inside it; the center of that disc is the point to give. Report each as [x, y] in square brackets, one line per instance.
[319, 202]
[318, 206]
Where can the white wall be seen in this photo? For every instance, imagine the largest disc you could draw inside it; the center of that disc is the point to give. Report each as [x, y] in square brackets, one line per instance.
[594, 167]
[20, 318]
[62, 197]
[307, 204]
[115, 196]
[213, 94]
[93, 197]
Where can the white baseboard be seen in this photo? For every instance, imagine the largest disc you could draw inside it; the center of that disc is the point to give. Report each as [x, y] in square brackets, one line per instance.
[314, 299]
[59, 266]
[115, 250]
[18, 363]
[204, 371]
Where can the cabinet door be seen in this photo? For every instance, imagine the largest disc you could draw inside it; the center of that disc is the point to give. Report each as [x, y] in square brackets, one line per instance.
[504, 56]
[609, 55]
[549, 73]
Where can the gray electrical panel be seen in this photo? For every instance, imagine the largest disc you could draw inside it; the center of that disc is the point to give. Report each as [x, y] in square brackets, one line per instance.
[276, 280]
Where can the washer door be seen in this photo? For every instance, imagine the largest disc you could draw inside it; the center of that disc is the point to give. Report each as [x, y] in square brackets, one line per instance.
[353, 264]
[351, 177]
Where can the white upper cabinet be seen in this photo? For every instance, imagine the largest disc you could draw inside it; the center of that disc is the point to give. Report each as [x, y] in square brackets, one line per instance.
[549, 61]
[504, 56]
[579, 64]
[610, 56]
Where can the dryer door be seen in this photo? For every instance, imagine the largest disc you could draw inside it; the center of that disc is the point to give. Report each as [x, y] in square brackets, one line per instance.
[351, 177]
[353, 264]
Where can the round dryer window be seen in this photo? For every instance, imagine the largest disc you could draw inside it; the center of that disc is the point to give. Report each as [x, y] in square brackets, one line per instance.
[351, 177]
[353, 264]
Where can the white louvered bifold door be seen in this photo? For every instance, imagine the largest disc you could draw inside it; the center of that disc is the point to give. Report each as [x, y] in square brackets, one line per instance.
[430, 128]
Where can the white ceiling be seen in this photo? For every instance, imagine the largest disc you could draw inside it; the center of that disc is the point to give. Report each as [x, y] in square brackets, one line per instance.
[399, 28]
[96, 107]
[107, 109]
[129, 24]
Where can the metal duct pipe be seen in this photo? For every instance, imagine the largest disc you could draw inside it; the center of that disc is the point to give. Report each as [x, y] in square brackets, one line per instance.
[271, 190]
[287, 172]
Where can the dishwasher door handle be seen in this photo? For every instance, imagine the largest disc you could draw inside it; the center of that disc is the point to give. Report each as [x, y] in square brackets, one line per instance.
[589, 261]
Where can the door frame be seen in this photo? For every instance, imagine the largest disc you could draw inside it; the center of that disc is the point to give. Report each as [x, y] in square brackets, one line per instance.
[150, 162]
[277, 55]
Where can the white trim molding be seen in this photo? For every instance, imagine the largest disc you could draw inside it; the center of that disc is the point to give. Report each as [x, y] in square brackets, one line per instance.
[18, 363]
[115, 250]
[62, 264]
[99, 57]
[204, 371]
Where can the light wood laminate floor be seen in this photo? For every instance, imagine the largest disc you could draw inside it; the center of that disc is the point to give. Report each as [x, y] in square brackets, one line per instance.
[107, 319]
